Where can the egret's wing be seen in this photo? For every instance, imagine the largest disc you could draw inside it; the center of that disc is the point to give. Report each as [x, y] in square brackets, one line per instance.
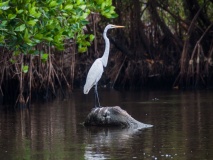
[94, 75]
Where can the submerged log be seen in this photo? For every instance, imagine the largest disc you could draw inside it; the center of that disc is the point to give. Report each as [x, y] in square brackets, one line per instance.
[113, 116]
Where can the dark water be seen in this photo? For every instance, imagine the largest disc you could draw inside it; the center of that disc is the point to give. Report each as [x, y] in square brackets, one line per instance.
[183, 128]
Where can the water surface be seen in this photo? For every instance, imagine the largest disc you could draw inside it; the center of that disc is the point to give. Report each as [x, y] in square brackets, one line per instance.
[51, 131]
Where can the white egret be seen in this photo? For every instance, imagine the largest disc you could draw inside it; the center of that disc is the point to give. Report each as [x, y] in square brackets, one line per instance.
[97, 68]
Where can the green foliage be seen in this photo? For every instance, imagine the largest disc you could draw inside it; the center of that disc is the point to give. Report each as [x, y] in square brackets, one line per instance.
[25, 68]
[26, 23]
[44, 57]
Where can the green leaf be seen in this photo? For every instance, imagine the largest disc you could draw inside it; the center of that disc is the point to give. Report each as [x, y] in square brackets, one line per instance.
[91, 37]
[11, 16]
[114, 15]
[84, 22]
[37, 41]
[84, 15]
[68, 7]
[12, 61]
[103, 5]
[19, 11]
[38, 36]
[3, 23]
[34, 13]
[87, 44]
[25, 69]
[58, 38]
[26, 35]
[1, 39]
[16, 52]
[59, 46]
[44, 57]
[4, 5]
[49, 39]
[20, 28]
[107, 9]
[78, 2]
[32, 22]
[53, 4]
[82, 7]
[82, 49]
[65, 14]
[27, 38]
[4, 8]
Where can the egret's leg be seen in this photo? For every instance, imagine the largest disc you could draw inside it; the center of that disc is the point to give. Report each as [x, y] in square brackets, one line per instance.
[96, 96]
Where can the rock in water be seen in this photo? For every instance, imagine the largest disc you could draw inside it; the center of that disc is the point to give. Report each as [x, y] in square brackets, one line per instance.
[113, 116]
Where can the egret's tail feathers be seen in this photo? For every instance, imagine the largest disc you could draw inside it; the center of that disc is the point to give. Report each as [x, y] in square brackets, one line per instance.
[87, 87]
[86, 90]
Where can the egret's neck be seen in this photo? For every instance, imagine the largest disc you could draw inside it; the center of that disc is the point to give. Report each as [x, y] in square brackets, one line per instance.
[104, 58]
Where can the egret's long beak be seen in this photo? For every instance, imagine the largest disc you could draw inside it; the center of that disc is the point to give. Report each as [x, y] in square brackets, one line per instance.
[115, 26]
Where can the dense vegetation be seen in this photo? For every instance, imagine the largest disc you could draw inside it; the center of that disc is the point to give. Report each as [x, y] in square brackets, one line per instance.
[32, 32]
[45, 45]
[168, 43]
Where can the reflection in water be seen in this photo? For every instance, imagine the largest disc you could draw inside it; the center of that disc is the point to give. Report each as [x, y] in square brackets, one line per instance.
[112, 138]
[51, 131]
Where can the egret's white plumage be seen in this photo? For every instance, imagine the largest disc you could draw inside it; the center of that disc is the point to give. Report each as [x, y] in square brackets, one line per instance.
[97, 68]
[93, 75]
